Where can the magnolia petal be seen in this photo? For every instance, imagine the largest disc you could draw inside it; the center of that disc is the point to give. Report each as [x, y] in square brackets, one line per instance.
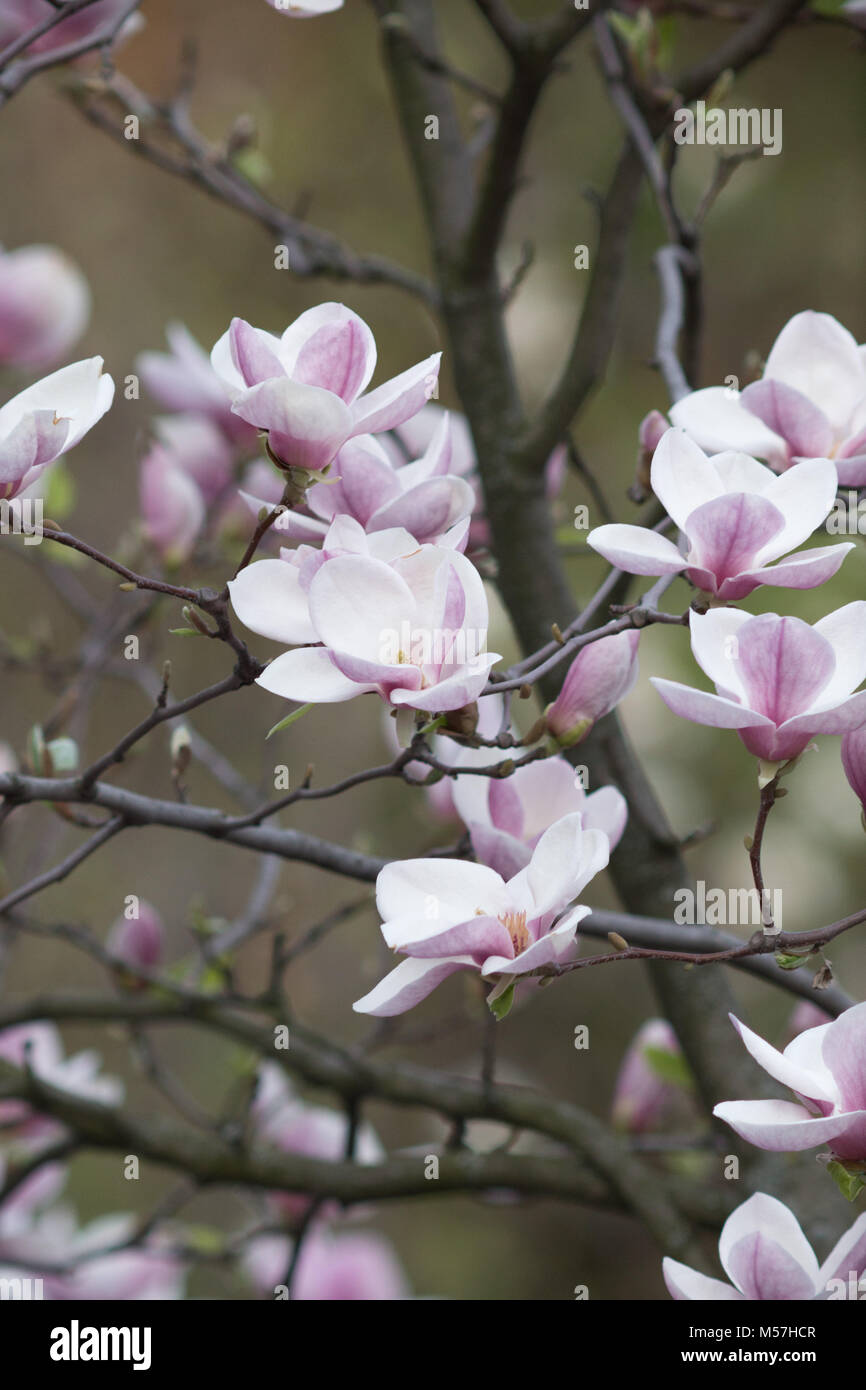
[636, 549]
[309, 676]
[688, 1285]
[408, 984]
[268, 598]
[703, 708]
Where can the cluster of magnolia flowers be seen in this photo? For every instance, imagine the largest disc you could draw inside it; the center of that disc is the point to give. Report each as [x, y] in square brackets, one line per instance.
[380, 593]
[41, 1238]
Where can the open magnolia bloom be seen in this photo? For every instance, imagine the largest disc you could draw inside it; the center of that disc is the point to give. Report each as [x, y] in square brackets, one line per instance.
[183, 380]
[305, 389]
[49, 419]
[448, 915]
[507, 816]
[826, 1069]
[408, 622]
[779, 682]
[424, 497]
[766, 1256]
[736, 515]
[810, 403]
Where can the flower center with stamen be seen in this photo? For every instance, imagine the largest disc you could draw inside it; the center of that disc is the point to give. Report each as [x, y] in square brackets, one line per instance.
[515, 924]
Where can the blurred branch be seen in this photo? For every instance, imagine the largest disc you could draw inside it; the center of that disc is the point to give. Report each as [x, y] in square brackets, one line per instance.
[186, 154]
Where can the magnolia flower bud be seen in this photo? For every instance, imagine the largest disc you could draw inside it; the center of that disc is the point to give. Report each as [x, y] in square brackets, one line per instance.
[649, 435]
[44, 306]
[601, 674]
[138, 941]
[643, 1090]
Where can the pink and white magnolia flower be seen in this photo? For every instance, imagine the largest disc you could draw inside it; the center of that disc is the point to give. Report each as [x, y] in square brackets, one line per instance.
[44, 305]
[736, 516]
[767, 1257]
[415, 438]
[48, 419]
[449, 914]
[424, 498]
[39, 1046]
[854, 763]
[810, 402]
[825, 1067]
[332, 1267]
[602, 674]
[644, 1094]
[305, 390]
[183, 380]
[506, 817]
[35, 1235]
[281, 1119]
[408, 622]
[187, 468]
[779, 682]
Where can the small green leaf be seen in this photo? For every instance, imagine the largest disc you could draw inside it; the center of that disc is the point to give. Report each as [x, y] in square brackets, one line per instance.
[500, 1000]
[670, 1066]
[289, 719]
[184, 632]
[792, 960]
[850, 1178]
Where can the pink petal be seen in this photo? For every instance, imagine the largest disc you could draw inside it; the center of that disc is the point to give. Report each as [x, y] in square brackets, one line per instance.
[396, 400]
[408, 984]
[703, 708]
[787, 412]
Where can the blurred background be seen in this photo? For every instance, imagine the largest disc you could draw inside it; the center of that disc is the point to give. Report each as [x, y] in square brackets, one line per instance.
[786, 235]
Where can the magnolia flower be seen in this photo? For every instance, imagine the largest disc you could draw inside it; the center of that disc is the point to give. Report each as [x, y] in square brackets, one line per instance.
[507, 816]
[645, 1089]
[282, 1120]
[448, 915]
[826, 1069]
[305, 9]
[424, 497]
[766, 1257]
[415, 436]
[602, 674]
[305, 388]
[188, 468]
[44, 305]
[183, 379]
[138, 941]
[406, 621]
[49, 419]
[736, 516]
[34, 1235]
[810, 403]
[330, 1268]
[39, 1047]
[854, 762]
[779, 682]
